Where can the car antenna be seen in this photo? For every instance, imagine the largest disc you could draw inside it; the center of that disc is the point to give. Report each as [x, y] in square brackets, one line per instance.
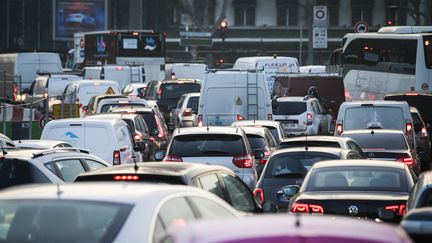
[135, 166]
[306, 137]
[372, 132]
[297, 220]
[59, 192]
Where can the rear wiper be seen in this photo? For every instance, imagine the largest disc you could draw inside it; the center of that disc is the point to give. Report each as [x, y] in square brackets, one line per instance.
[290, 174]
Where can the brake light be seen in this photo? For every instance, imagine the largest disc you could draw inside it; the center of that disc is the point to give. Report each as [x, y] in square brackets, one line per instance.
[266, 157]
[240, 117]
[137, 137]
[172, 158]
[116, 157]
[270, 117]
[307, 208]
[243, 161]
[126, 178]
[259, 193]
[119, 68]
[309, 119]
[408, 128]
[424, 132]
[339, 129]
[187, 112]
[399, 209]
[159, 126]
[159, 92]
[200, 122]
[45, 94]
[406, 160]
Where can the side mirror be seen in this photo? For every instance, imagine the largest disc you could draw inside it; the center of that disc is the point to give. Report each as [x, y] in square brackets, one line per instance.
[385, 215]
[140, 146]
[291, 190]
[159, 155]
[270, 207]
[259, 154]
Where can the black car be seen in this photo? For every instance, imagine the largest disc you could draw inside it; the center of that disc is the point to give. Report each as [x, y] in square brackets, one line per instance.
[368, 189]
[423, 144]
[289, 167]
[418, 224]
[168, 92]
[216, 179]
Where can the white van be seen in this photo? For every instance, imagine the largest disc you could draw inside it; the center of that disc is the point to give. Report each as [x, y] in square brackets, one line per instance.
[122, 74]
[24, 66]
[82, 91]
[229, 96]
[110, 140]
[270, 65]
[186, 70]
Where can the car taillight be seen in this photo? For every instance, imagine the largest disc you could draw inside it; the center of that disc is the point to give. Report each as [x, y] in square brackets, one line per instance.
[200, 121]
[339, 129]
[187, 112]
[259, 193]
[243, 161]
[159, 92]
[406, 160]
[306, 208]
[240, 117]
[424, 132]
[408, 127]
[270, 117]
[138, 137]
[15, 92]
[126, 177]
[116, 157]
[266, 157]
[399, 209]
[309, 119]
[159, 126]
[171, 158]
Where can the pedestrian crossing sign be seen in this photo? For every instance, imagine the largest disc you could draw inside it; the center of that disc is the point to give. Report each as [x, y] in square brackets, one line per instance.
[110, 91]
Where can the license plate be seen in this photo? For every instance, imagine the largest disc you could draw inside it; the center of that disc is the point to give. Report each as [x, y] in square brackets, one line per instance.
[290, 125]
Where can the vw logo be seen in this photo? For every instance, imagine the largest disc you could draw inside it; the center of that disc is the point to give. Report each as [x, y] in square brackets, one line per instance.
[353, 210]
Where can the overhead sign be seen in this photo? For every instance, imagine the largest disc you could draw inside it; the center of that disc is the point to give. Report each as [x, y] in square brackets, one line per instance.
[320, 16]
[319, 37]
[361, 27]
[195, 34]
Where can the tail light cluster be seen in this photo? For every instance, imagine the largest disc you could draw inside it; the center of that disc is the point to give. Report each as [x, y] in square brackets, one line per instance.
[398, 209]
[307, 208]
[243, 161]
[116, 157]
[187, 112]
[408, 127]
[138, 136]
[266, 157]
[339, 128]
[172, 158]
[159, 126]
[406, 160]
[424, 133]
[309, 119]
[259, 194]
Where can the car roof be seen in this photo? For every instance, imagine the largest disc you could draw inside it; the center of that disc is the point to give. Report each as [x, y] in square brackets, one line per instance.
[369, 131]
[259, 131]
[292, 98]
[159, 168]
[317, 138]
[358, 162]
[38, 144]
[207, 130]
[108, 116]
[256, 123]
[31, 153]
[134, 108]
[84, 121]
[180, 80]
[336, 151]
[374, 102]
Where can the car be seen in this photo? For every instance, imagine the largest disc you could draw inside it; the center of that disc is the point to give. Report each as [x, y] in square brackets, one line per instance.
[59, 165]
[185, 112]
[135, 90]
[138, 128]
[374, 114]
[107, 105]
[6, 142]
[218, 180]
[422, 139]
[421, 194]
[418, 224]
[155, 122]
[103, 212]
[382, 144]
[286, 228]
[167, 92]
[301, 115]
[41, 144]
[322, 141]
[260, 138]
[274, 127]
[225, 146]
[372, 189]
[92, 106]
[289, 167]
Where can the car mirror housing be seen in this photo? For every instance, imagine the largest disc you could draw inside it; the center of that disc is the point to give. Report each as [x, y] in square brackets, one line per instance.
[159, 155]
[259, 154]
[290, 190]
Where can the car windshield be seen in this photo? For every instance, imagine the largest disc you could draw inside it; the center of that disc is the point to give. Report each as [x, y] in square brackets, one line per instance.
[374, 117]
[290, 108]
[294, 144]
[386, 141]
[358, 178]
[61, 220]
[207, 145]
[176, 90]
[15, 172]
[294, 163]
[256, 142]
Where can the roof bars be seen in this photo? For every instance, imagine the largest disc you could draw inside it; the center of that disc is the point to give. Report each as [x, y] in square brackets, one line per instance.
[54, 150]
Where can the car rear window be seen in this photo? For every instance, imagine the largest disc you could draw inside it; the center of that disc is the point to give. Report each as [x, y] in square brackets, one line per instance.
[374, 117]
[379, 141]
[290, 108]
[175, 90]
[15, 172]
[295, 144]
[207, 145]
[358, 178]
[193, 103]
[58, 220]
[256, 142]
[294, 163]
[150, 121]
[109, 107]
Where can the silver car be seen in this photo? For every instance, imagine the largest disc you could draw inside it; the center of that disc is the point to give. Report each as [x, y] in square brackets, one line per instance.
[184, 114]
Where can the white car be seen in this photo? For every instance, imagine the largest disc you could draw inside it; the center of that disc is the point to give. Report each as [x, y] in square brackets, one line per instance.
[225, 146]
[274, 126]
[41, 144]
[301, 116]
[185, 112]
[103, 212]
[107, 105]
[25, 166]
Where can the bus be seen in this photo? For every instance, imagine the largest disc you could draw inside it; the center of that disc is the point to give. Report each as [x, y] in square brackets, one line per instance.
[394, 59]
[124, 47]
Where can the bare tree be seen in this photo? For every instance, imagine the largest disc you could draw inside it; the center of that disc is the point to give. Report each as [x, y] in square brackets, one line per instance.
[419, 10]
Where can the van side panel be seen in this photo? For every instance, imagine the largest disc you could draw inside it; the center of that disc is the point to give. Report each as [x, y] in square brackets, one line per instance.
[62, 131]
[98, 139]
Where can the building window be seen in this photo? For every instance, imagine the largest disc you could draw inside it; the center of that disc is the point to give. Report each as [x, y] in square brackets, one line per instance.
[332, 11]
[244, 12]
[361, 10]
[396, 11]
[287, 12]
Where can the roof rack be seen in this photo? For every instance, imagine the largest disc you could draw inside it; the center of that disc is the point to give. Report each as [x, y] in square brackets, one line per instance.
[54, 150]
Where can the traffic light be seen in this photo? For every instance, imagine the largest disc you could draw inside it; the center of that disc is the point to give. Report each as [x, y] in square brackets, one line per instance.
[390, 22]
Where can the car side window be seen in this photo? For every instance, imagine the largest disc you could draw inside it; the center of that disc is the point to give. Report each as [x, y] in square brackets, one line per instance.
[211, 184]
[52, 167]
[271, 140]
[239, 194]
[181, 101]
[355, 147]
[209, 209]
[69, 169]
[93, 165]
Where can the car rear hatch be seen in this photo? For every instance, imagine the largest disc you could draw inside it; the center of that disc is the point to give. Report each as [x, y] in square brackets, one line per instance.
[291, 115]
